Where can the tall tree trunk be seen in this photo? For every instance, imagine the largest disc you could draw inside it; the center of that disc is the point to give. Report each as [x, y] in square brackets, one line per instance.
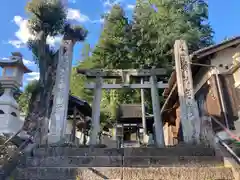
[40, 105]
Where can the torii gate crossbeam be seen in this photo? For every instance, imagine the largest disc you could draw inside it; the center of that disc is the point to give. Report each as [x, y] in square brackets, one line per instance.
[125, 75]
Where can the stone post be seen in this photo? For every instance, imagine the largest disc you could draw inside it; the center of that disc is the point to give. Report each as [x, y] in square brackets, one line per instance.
[58, 120]
[96, 111]
[159, 136]
[188, 107]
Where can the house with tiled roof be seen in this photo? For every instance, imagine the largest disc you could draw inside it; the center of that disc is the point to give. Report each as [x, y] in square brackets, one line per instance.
[219, 100]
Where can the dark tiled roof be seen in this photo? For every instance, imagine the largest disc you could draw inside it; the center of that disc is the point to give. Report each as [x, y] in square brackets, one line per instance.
[130, 111]
[81, 105]
[217, 47]
[201, 53]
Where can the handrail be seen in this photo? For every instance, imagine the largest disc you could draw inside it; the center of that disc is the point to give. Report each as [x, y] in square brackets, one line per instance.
[13, 136]
[234, 155]
[11, 161]
[232, 135]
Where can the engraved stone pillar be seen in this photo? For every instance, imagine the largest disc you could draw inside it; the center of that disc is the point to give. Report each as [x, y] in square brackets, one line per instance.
[61, 93]
[188, 107]
[96, 111]
[159, 136]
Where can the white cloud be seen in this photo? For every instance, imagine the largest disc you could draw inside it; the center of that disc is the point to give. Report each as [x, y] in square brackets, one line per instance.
[53, 41]
[75, 14]
[16, 43]
[98, 21]
[111, 3]
[28, 62]
[32, 76]
[130, 6]
[23, 34]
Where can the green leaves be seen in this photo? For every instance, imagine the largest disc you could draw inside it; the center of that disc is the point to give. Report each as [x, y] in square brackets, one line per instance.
[25, 97]
[75, 32]
[146, 41]
[110, 51]
[46, 15]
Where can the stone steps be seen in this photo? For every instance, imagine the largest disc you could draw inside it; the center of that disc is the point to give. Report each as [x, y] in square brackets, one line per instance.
[167, 151]
[169, 163]
[162, 173]
[123, 161]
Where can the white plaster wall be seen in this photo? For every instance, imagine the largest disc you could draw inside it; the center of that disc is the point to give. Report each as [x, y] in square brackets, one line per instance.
[224, 57]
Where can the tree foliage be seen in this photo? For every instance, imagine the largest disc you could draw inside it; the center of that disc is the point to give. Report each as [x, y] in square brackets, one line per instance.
[46, 18]
[146, 41]
[77, 81]
[111, 50]
[26, 95]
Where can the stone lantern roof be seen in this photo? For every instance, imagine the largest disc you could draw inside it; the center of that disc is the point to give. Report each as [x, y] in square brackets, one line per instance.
[15, 60]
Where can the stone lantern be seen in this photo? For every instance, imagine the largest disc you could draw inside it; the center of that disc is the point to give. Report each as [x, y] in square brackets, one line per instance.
[13, 70]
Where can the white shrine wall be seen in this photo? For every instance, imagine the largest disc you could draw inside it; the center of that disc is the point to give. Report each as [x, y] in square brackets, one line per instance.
[224, 57]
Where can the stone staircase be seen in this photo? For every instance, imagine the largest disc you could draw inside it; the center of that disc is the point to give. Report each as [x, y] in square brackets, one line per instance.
[170, 163]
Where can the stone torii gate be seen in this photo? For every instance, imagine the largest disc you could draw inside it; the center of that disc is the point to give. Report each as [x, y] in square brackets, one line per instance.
[100, 74]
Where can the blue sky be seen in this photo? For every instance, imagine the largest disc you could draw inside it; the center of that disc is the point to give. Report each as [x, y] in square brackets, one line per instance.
[223, 16]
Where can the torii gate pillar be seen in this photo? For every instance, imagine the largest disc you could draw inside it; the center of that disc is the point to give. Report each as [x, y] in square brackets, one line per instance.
[95, 129]
[158, 126]
[125, 75]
